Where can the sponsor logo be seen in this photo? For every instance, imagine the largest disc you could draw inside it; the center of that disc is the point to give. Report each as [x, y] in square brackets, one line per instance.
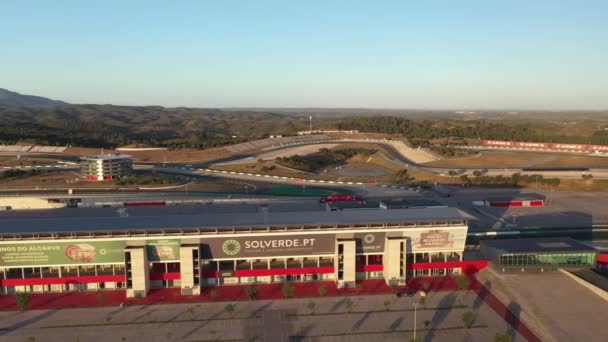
[164, 252]
[81, 252]
[369, 238]
[287, 243]
[231, 247]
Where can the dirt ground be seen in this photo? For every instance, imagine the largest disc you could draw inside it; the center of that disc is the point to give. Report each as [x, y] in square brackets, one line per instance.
[23, 161]
[500, 159]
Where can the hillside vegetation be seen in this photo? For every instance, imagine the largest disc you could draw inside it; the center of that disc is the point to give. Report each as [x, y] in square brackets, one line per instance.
[112, 126]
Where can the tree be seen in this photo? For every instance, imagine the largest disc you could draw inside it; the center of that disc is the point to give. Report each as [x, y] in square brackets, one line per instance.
[252, 292]
[465, 179]
[500, 337]
[349, 305]
[467, 318]
[387, 304]
[322, 290]
[287, 290]
[477, 173]
[452, 173]
[229, 309]
[22, 299]
[462, 282]
[311, 306]
[401, 176]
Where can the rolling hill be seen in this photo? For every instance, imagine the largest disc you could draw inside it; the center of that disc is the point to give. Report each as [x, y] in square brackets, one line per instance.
[12, 99]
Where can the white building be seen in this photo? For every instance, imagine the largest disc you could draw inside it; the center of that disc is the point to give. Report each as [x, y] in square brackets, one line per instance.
[105, 166]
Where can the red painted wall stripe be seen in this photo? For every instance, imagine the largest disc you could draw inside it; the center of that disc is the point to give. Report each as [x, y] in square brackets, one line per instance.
[275, 271]
[143, 204]
[370, 268]
[285, 271]
[165, 276]
[473, 265]
[63, 280]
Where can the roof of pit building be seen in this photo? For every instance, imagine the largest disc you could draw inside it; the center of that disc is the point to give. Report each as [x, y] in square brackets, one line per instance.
[126, 221]
[539, 245]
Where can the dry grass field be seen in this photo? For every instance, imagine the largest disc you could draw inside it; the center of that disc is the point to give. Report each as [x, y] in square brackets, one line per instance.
[24, 161]
[506, 159]
[266, 168]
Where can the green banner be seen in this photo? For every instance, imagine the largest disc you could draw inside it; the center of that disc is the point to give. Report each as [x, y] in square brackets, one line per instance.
[61, 253]
[163, 250]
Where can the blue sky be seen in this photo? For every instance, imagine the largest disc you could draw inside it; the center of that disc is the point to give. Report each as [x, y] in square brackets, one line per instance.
[383, 54]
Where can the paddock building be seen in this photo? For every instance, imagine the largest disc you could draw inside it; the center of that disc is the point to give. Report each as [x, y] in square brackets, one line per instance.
[140, 252]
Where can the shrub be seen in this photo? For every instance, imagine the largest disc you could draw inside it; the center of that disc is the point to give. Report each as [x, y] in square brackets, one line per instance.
[349, 304]
[467, 318]
[387, 304]
[252, 293]
[230, 308]
[462, 282]
[287, 290]
[23, 300]
[500, 337]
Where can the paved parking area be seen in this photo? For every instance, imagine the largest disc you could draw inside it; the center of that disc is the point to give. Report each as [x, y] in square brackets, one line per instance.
[326, 319]
[562, 208]
[554, 306]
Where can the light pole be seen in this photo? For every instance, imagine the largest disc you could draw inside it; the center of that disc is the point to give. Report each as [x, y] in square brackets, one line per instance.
[415, 307]
[422, 294]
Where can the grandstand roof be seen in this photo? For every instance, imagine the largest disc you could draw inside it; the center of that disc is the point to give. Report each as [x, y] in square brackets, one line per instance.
[121, 222]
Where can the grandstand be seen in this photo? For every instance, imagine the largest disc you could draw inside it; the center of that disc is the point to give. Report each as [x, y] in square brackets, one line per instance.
[275, 142]
[32, 149]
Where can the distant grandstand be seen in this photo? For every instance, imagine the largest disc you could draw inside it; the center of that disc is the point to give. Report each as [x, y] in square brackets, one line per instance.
[32, 148]
[272, 142]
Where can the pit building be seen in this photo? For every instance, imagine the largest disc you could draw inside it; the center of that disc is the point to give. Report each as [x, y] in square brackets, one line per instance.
[138, 252]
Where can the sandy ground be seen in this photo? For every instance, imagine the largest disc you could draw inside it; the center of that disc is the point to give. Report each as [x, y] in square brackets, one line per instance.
[500, 159]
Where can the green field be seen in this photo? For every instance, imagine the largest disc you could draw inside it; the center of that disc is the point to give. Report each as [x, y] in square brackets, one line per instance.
[297, 191]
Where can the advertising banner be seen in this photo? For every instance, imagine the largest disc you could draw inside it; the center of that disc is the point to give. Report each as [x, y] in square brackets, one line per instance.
[163, 250]
[268, 246]
[369, 242]
[61, 253]
[438, 239]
